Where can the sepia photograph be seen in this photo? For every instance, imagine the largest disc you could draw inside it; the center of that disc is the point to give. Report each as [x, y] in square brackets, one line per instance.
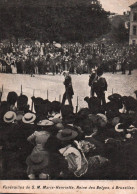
[68, 90]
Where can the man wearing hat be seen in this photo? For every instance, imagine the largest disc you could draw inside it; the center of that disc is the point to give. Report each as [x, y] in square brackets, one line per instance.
[77, 163]
[92, 78]
[100, 86]
[68, 89]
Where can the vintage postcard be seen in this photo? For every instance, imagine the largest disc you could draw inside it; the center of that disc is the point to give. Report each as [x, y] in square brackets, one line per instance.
[68, 96]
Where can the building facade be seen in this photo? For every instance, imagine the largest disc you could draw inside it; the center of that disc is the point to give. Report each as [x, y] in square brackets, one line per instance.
[133, 24]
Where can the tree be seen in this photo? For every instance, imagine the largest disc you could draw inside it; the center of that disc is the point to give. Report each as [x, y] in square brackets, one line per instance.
[120, 33]
[59, 20]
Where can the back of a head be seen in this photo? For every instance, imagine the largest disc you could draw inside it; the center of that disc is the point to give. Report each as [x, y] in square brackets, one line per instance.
[56, 106]
[83, 113]
[100, 71]
[22, 102]
[12, 98]
[66, 110]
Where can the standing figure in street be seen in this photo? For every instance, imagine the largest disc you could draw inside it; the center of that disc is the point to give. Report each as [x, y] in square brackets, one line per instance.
[129, 67]
[92, 78]
[123, 66]
[100, 86]
[114, 66]
[68, 89]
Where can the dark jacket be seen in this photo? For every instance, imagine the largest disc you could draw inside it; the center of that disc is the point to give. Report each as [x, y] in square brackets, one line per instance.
[68, 86]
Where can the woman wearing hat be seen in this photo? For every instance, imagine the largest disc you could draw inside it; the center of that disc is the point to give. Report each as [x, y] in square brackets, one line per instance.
[39, 138]
[17, 145]
[41, 135]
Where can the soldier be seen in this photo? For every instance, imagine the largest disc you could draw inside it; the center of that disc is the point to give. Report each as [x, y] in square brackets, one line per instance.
[100, 86]
[68, 89]
[129, 66]
[92, 78]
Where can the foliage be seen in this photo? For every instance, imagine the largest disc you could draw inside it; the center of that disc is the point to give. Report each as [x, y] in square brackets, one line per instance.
[120, 33]
[49, 20]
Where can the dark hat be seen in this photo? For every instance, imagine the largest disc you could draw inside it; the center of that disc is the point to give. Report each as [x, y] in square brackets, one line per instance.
[37, 100]
[38, 160]
[67, 134]
[23, 99]
[22, 102]
[56, 106]
[114, 97]
[100, 71]
[12, 97]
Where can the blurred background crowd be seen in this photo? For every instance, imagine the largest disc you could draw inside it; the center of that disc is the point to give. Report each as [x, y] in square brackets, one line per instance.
[43, 58]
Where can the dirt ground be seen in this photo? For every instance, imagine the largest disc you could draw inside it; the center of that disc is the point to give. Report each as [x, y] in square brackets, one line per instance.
[122, 84]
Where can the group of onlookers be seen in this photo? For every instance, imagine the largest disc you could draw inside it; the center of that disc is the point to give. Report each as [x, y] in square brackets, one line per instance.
[51, 141]
[42, 58]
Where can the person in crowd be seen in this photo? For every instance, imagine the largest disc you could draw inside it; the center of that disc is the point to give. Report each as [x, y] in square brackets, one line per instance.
[123, 65]
[22, 103]
[68, 89]
[39, 138]
[100, 86]
[12, 99]
[130, 67]
[92, 78]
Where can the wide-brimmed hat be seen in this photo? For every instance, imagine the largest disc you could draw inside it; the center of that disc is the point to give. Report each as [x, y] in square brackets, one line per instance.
[29, 118]
[45, 122]
[38, 160]
[67, 134]
[9, 117]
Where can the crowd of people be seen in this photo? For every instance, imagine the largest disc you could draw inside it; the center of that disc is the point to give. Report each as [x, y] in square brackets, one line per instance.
[42, 58]
[50, 141]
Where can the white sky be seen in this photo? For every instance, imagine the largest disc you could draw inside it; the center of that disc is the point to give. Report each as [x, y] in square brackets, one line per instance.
[117, 6]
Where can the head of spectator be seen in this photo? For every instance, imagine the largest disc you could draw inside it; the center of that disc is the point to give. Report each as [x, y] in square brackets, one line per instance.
[29, 118]
[9, 117]
[93, 104]
[100, 71]
[66, 136]
[12, 98]
[101, 120]
[37, 103]
[67, 114]
[56, 107]
[22, 103]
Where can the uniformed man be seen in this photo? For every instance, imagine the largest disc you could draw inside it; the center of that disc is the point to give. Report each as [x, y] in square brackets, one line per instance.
[68, 89]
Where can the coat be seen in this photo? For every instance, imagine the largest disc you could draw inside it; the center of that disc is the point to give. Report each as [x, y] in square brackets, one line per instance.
[68, 86]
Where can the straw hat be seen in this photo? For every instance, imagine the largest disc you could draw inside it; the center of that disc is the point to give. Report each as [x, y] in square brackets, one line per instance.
[45, 123]
[9, 117]
[29, 118]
